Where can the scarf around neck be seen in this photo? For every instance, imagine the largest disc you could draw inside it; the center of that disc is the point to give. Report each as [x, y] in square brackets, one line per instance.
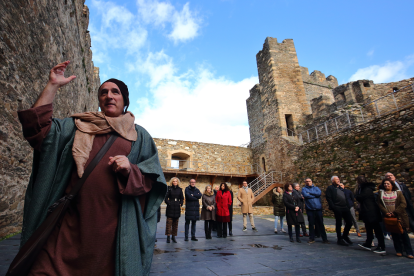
[89, 124]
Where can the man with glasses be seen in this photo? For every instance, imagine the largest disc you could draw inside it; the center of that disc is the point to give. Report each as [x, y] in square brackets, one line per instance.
[313, 203]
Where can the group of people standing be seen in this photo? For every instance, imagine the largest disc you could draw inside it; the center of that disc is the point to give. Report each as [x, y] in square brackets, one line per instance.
[389, 209]
[216, 211]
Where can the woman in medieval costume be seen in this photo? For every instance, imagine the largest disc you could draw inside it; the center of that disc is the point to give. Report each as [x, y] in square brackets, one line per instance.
[109, 228]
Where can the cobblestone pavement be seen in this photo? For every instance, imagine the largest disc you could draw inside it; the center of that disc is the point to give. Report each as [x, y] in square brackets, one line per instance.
[257, 253]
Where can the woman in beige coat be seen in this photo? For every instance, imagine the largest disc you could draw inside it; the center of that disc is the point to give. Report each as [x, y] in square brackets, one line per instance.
[246, 198]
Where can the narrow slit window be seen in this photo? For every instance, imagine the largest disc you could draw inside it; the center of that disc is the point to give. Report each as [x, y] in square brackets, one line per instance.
[289, 124]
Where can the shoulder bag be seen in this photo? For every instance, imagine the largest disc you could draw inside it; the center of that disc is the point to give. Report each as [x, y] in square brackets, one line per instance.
[393, 225]
[28, 253]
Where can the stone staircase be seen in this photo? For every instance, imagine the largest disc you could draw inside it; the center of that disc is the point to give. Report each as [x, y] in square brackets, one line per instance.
[264, 183]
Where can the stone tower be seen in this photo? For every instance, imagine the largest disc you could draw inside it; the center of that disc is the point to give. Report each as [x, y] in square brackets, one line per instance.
[280, 100]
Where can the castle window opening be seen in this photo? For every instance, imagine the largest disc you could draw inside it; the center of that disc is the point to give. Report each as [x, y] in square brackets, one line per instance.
[180, 161]
[289, 124]
[264, 164]
[395, 89]
[366, 84]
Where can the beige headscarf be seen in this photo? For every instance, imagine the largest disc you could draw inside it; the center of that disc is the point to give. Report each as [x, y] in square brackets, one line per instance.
[91, 123]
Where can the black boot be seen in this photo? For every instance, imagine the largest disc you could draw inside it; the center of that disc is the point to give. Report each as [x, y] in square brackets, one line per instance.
[173, 239]
[230, 228]
[168, 239]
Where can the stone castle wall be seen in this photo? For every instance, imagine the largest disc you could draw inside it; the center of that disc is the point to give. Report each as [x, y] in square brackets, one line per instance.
[205, 157]
[317, 85]
[34, 37]
[382, 145]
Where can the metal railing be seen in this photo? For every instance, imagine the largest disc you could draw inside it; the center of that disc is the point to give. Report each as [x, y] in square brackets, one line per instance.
[210, 167]
[356, 115]
[265, 180]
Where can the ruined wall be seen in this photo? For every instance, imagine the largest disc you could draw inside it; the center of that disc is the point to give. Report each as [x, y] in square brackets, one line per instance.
[206, 157]
[317, 85]
[382, 145]
[255, 116]
[363, 91]
[34, 37]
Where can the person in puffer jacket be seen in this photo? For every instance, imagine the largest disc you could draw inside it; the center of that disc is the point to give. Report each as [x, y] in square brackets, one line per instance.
[313, 204]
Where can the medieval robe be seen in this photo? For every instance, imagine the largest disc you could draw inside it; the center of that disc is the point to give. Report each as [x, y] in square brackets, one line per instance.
[110, 227]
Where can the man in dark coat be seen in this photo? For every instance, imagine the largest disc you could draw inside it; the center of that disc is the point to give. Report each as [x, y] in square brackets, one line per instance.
[337, 203]
[192, 209]
[407, 195]
[351, 202]
[370, 214]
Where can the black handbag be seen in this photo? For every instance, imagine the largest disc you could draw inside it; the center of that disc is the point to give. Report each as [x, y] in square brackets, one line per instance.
[24, 259]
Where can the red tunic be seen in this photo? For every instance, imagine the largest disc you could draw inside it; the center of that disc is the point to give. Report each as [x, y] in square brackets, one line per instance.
[223, 201]
[84, 244]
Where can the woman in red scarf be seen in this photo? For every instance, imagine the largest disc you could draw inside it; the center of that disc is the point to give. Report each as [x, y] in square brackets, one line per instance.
[223, 202]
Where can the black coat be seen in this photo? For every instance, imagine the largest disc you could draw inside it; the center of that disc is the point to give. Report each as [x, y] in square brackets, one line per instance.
[278, 205]
[407, 195]
[192, 205]
[174, 200]
[301, 202]
[291, 201]
[369, 211]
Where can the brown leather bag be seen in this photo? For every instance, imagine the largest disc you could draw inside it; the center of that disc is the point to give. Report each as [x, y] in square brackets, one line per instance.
[28, 253]
[393, 225]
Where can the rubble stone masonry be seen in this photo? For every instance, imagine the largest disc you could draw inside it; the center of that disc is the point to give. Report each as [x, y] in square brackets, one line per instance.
[385, 144]
[34, 37]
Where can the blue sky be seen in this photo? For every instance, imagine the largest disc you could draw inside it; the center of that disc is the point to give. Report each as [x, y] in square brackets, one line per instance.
[189, 65]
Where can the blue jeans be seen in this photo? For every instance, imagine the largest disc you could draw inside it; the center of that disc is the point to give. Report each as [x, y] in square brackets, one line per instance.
[281, 222]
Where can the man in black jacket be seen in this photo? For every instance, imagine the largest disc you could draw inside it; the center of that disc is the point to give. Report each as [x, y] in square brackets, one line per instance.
[407, 195]
[192, 209]
[337, 203]
[351, 202]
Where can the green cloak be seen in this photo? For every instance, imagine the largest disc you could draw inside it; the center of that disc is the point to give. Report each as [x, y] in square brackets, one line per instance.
[52, 168]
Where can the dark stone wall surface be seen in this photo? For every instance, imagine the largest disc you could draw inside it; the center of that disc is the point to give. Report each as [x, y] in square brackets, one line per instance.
[34, 37]
[374, 148]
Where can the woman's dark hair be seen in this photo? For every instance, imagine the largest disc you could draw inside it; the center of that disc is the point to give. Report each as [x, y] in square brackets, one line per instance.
[226, 188]
[287, 186]
[394, 187]
[361, 180]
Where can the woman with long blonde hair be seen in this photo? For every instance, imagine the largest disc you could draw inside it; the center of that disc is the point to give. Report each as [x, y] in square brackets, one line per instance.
[174, 200]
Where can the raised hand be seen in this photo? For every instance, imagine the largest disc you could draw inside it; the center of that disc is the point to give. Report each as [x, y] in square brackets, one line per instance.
[57, 74]
[56, 80]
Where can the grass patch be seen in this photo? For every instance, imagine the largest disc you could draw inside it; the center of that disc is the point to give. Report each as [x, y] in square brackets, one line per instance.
[9, 236]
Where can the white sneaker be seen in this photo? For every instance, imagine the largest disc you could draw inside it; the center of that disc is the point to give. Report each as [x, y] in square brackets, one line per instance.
[283, 231]
[387, 237]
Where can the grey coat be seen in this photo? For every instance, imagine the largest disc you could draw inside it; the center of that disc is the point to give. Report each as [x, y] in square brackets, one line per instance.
[208, 200]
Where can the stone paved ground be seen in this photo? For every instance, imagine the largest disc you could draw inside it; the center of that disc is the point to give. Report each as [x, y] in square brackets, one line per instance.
[261, 253]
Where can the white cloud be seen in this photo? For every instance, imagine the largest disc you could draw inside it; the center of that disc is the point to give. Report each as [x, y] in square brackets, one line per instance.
[390, 71]
[119, 29]
[195, 106]
[155, 12]
[185, 24]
